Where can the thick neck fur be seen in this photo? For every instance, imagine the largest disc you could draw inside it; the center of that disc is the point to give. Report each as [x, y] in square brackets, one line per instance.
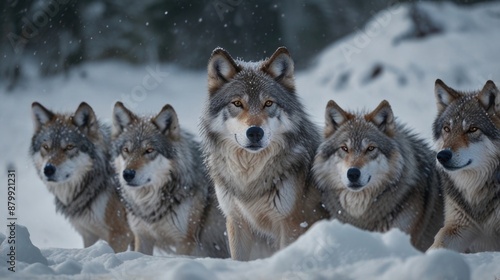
[250, 175]
[374, 204]
[74, 198]
[185, 180]
[478, 189]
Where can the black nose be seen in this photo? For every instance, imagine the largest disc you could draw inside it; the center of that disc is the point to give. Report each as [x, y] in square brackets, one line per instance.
[444, 156]
[128, 175]
[254, 134]
[353, 174]
[49, 170]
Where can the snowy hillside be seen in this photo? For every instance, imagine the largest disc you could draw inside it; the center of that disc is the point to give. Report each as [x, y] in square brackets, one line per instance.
[391, 58]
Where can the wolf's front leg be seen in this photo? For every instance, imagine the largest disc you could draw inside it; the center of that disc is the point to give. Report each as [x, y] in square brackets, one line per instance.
[144, 244]
[240, 238]
[454, 237]
[89, 239]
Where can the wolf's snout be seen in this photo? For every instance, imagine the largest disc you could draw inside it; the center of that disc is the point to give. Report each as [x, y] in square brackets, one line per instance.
[49, 170]
[255, 134]
[444, 156]
[353, 174]
[128, 175]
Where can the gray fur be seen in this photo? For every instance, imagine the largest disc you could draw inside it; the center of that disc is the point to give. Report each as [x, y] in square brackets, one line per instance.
[468, 126]
[188, 184]
[80, 197]
[263, 177]
[407, 196]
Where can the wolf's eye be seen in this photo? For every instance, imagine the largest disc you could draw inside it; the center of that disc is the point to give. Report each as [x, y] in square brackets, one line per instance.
[345, 149]
[150, 150]
[370, 148]
[69, 147]
[125, 150]
[45, 147]
[268, 103]
[238, 104]
[446, 129]
[472, 129]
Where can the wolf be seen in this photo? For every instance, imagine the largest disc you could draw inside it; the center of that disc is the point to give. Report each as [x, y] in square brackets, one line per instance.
[467, 135]
[258, 144]
[376, 174]
[72, 156]
[170, 199]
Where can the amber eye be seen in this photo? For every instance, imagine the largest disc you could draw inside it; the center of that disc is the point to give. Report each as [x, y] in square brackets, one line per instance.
[370, 148]
[125, 150]
[69, 147]
[150, 150]
[446, 129]
[472, 129]
[268, 103]
[45, 147]
[344, 148]
[238, 104]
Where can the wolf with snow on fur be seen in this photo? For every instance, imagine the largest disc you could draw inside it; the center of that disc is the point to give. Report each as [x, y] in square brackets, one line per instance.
[377, 175]
[71, 153]
[170, 200]
[259, 144]
[467, 136]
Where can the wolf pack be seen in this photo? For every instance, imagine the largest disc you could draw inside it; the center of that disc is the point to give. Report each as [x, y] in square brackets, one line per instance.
[263, 173]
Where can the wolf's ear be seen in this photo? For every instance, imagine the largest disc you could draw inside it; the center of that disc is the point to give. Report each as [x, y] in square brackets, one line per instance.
[280, 67]
[444, 95]
[489, 97]
[383, 118]
[122, 117]
[221, 69]
[334, 118]
[167, 122]
[41, 115]
[85, 118]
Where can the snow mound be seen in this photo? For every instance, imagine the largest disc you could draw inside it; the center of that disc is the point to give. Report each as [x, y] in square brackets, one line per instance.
[329, 249]
[397, 56]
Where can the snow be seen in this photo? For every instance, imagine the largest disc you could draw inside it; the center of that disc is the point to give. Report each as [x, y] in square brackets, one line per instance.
[383, 60]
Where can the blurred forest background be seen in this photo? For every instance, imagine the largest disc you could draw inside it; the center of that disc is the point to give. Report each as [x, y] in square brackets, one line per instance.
[55, 35]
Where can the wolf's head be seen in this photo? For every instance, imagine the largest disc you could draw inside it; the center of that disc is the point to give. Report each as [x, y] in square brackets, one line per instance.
[143, 147]
[250, 105]
[358, 151]
[65, 146]
[466, 130]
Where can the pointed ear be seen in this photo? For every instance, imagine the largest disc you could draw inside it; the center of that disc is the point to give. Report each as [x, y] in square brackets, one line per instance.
[444, 95]
[280, 67]
[334, 118]
[122, 117]
[489, 97]
[383, 118]
[85, 118]
[221, 69]
[167, 122]
[41, 115]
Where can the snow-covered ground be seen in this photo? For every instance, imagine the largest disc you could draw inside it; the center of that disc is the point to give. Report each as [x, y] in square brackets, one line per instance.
[386, 59]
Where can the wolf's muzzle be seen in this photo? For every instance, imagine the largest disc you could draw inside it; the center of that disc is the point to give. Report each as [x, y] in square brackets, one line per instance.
[444, 156]
[128, 175]
[49, 170]
[255, 134]
[353, 174]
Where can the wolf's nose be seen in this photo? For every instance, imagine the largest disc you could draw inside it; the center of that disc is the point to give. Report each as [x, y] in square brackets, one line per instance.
[255, 134]
[444, 156]
[353, 174]
[128, 175]
[49, 170]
